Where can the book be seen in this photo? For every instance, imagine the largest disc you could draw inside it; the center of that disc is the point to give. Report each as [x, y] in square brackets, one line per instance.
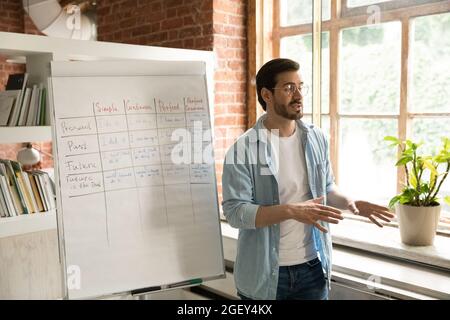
[47, 187]
[42, 108]
[3, 209]
[40, 188]
[34, 105]
[41, 97]
[18, 198]
[7, 195]
[36, 193]
[7, 101]
[25, 107]
[16, 81]
[21, 185]
[29, 192]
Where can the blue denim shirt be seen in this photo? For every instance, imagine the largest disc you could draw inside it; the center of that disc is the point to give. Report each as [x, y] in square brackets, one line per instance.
[249, 180]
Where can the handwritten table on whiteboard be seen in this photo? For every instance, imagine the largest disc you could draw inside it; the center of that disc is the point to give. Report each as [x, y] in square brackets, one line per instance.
[137, 188]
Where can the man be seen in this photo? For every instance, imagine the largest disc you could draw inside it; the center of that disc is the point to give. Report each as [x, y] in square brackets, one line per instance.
[278, 190]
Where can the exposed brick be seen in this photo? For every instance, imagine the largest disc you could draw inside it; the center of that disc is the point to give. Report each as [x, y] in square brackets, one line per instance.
[189, 32]
[172, 23]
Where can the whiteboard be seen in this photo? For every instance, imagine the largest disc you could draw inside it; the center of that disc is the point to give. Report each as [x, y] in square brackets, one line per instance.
[136, 188]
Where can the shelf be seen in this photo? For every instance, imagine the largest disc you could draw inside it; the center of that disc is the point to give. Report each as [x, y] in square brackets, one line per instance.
[27, 223]
[25, 134]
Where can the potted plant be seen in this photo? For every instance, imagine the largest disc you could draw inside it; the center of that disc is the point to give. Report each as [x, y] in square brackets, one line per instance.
[417, 207]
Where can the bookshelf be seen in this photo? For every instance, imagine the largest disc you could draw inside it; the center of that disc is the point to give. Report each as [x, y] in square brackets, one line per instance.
[27, 223]
[31, 241]
[25, 134]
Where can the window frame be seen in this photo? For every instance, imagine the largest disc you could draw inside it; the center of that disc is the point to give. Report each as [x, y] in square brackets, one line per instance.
[264, 43]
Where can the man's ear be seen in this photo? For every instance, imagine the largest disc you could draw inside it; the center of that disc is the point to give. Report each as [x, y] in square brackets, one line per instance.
[267, 95]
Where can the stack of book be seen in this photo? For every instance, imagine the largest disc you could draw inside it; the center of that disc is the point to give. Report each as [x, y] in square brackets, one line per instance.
[21, 105]
[24, 192]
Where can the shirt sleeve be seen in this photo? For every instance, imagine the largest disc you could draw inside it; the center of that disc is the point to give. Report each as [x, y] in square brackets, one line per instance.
[329, 170]
[237, 191]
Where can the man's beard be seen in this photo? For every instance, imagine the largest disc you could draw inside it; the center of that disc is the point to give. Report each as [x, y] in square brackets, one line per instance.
[282, 111]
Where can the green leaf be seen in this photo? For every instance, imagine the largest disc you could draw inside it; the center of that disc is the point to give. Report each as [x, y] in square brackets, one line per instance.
[393, 201]
[409, 143]
[404, 160]
[425, 188]
[407, 195]
[429, 165]
[442, 157]
[412, 179]
[391, 138]
[446, 142]
[408, 152]
[447, 200]
[405, 200]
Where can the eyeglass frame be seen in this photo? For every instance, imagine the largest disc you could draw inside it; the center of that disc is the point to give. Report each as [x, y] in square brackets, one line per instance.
[291, 92]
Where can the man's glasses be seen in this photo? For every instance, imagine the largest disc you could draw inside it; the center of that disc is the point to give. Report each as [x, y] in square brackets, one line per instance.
[290, 89]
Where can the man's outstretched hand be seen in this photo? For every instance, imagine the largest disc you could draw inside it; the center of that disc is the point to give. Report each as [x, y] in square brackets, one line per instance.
[371, 211]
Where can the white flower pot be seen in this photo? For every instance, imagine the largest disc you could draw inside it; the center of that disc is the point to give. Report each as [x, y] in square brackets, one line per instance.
[417, 224]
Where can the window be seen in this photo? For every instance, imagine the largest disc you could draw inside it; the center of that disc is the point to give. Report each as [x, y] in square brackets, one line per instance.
[295, 12]
[299, 48]
[384, 72]
[359, 3]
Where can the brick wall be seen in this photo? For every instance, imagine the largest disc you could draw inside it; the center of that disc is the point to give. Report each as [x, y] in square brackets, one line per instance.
[229, 28]
[168, 23]
[11, 16]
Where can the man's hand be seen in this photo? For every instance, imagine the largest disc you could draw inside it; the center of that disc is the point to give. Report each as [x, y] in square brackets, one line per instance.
[371, 211]
[309, 212]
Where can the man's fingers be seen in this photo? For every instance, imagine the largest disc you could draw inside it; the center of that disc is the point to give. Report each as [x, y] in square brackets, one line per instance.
[375, 221]
[329, 213]
[378, 207]
[318, 226]
[328, 219]
[353, 208]
[382, 217]
[385, 213]
[328, 208]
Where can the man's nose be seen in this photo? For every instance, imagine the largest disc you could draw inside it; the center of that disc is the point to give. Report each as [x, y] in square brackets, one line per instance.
[298, 92]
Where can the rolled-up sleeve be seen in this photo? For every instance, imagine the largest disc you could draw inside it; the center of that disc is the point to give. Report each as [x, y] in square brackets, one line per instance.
[237, 190]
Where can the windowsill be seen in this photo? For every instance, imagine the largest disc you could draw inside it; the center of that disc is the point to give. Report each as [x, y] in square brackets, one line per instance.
[386, 241]
[376, 268]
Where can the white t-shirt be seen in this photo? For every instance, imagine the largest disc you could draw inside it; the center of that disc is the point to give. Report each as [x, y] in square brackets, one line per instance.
[296, 238]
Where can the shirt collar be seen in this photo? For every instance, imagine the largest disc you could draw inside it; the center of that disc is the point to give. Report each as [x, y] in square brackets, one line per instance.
[261, 130]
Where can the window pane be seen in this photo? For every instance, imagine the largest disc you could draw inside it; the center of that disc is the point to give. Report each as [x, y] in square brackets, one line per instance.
[366, 167]
[370, 69]
[299, 48]
[430, 131]
[293, 12]
[431, 64]
[359, 3]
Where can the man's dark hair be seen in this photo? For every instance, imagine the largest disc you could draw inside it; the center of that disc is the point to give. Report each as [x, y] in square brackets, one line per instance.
[267, 75]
